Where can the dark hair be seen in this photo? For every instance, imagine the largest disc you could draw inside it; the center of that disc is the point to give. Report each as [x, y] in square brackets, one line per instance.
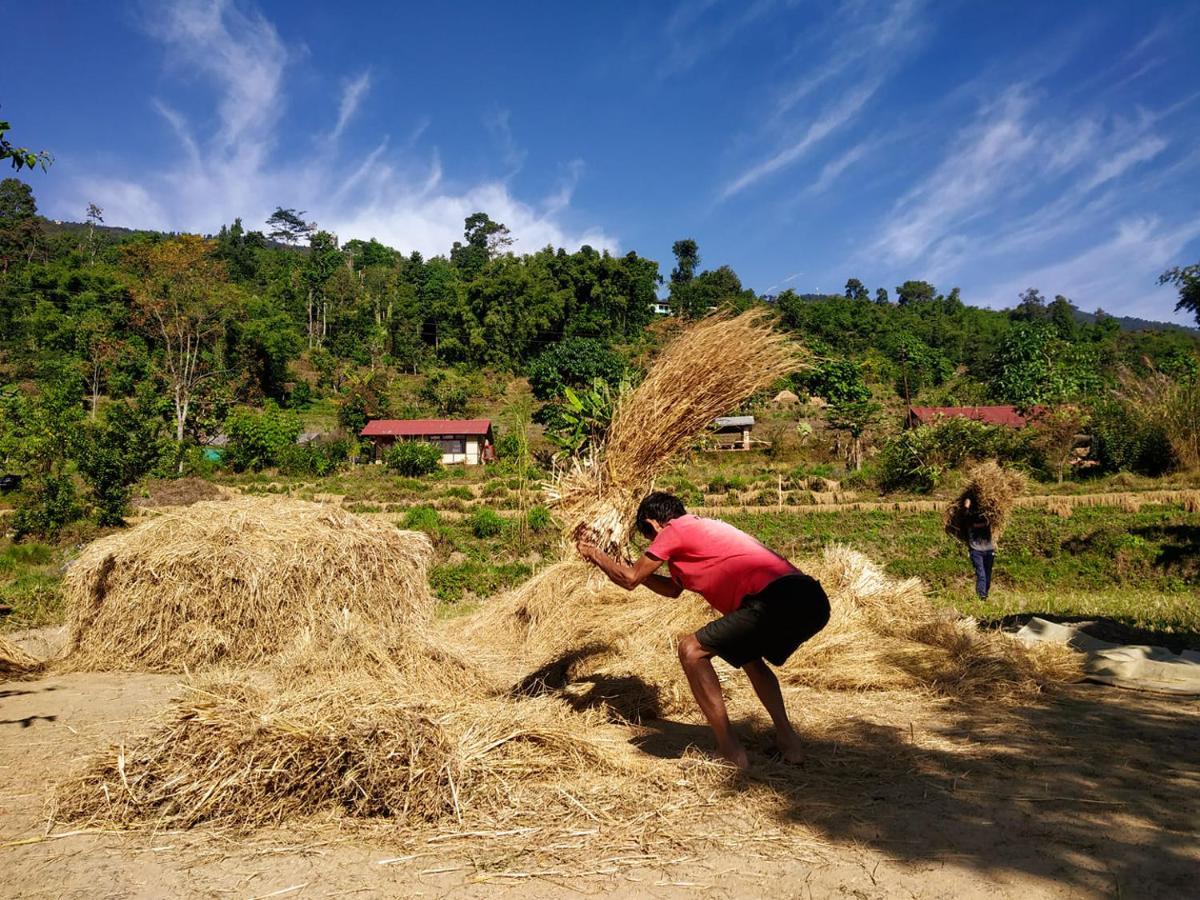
[659, 506]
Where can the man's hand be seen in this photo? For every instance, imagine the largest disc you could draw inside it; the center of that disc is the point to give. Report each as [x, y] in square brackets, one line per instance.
[586, 548]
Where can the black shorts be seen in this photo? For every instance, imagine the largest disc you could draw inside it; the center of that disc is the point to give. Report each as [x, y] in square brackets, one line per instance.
[770, 624]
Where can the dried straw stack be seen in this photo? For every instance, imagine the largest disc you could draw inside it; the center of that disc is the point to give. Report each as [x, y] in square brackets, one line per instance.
[708, 370]
[993, 492]
[614, 650]
[15, 661]
[237, 581]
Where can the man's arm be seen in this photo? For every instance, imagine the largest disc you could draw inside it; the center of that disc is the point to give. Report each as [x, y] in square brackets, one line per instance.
[629, 576]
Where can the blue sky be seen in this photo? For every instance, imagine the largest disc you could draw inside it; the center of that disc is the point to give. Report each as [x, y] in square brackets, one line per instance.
[990, 146]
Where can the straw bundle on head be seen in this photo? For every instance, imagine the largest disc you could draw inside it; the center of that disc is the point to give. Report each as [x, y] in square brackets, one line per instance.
[237, 581]
[992, 492]
[14, 660]
[705, 372]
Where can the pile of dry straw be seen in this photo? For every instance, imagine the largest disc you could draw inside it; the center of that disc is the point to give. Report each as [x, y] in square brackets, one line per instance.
[347, 701]
[568, 631]
[15, 661]
[990, 494]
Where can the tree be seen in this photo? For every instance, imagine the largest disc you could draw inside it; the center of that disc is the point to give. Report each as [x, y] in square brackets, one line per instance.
[855, 417]
[179, 298]
[1187, 280]
[95, 216]
[288, 226]
[912, 292]
[20, 230]
[856, 290]
[881, 296]
[1062, 315]
[485, 240]
[837, 381]
[323, 261]
[574, 362]
[687, 259]
[96, 338]
[21, 157]
[1032, 307]
[1056, 435]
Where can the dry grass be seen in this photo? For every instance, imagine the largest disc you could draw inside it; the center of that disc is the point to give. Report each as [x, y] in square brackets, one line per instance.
[236, 582]
[992, 492]
[15, 661]
[567, 632]
[178, 492]
[696, 378]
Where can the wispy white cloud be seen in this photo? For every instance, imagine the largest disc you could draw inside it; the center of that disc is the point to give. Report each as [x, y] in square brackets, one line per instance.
[1125, 265]
[397, 194]
[833, 117]
[1115, 166]
[872, 40]
[499, 124]
[981, 162]
[352, 96]
[691, 34]
[833, 169]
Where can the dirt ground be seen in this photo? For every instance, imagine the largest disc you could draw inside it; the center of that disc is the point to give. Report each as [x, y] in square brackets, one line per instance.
[1090, 792]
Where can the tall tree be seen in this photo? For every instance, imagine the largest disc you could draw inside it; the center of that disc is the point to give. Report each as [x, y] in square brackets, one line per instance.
[485, 240]
[179, 297]
[856, 290]
[288, 226]
[881, 295]
[324, 258]
[20, 230]
[912, 292]
[687, 260]
[95, 216]
[1187, 280]
[1032, 307]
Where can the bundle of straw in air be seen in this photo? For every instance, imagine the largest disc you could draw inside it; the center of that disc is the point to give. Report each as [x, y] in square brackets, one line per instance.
[707, 371]
[237, 581]
[14, 660]
[990, 494]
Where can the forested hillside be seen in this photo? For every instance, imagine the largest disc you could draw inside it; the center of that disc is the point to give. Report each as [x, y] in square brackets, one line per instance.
[126, 352]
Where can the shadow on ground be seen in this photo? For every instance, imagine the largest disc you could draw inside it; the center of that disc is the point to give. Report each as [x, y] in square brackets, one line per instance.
[1095, 789]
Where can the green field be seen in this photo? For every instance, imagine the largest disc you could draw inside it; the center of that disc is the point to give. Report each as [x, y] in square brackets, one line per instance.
[1138, 568]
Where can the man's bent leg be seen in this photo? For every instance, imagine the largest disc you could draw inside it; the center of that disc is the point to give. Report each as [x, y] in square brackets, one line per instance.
[766, 685]
[697, 665]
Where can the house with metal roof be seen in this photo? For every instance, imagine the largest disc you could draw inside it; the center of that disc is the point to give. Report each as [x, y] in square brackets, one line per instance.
[468, 441]
[733, 432]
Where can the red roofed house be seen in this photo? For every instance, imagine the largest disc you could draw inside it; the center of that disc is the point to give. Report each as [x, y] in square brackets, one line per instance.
[991, 415]
[461, 441]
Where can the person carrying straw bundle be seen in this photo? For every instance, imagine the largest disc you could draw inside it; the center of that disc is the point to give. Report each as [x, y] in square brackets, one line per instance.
[768, 608]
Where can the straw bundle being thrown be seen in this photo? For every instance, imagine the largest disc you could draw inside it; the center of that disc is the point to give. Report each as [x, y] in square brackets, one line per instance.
[707, 371]
[238, 581]
[992, 491]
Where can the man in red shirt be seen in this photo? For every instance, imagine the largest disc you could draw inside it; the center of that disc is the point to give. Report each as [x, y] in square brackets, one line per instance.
[768, 607]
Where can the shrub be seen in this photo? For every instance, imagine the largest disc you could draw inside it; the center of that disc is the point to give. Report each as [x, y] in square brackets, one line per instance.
[494, 489]
[918, 458]
[256, 437]
[47, 508]
[413, 458]
[486, 522]
[508, 446]
[539, 519]
[574, 362]
[422, 518]
[459, 492]
[313, 458]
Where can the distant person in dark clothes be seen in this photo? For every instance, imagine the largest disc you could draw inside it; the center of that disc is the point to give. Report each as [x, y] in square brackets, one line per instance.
[982, 549]
[768, 609]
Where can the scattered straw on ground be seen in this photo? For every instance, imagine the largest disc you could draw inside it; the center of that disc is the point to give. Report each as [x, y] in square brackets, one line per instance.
[14, 660]
[178, 492]
[992, 491]
[567, 632]
[237, 582]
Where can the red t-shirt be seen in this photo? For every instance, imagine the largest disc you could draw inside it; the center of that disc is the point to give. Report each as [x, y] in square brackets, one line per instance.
[721, 563]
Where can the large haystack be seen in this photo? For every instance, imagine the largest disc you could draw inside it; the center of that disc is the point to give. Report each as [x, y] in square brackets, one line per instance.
[707, 371]
[237, 582]
[992, 491]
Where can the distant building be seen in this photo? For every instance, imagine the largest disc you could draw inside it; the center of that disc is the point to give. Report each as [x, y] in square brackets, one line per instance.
[467, 441]
[661, 308]
[989, 415]
[734, 431]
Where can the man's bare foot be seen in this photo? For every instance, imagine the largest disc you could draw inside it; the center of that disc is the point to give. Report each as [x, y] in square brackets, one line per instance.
[790, 748]
[735, 756]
